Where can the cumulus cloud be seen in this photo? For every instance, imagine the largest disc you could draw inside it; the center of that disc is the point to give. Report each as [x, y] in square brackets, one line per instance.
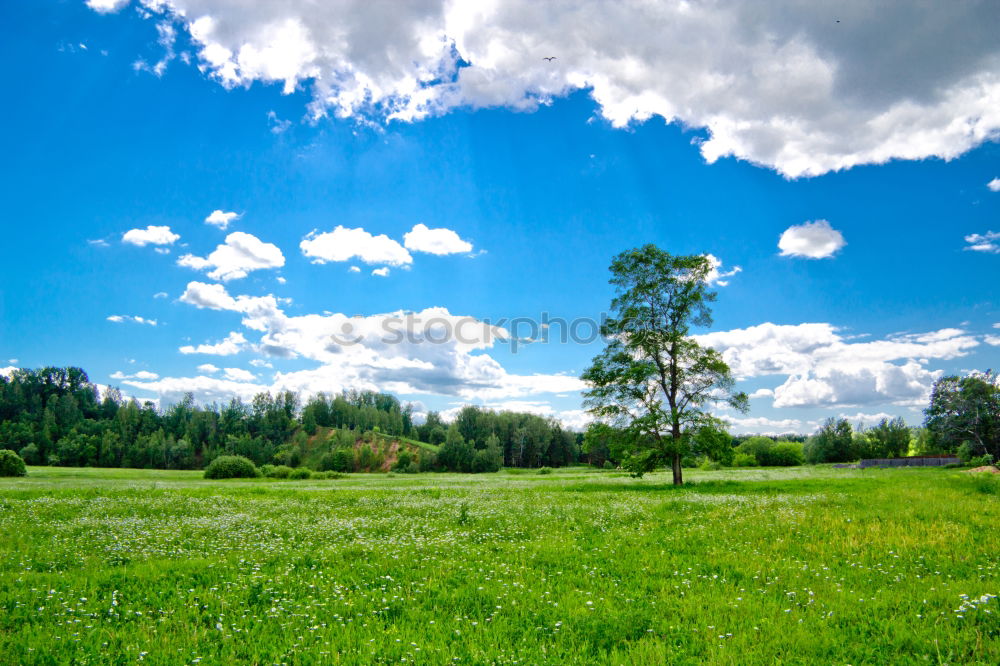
[119, 319]
[428, 352]
[142, 374]
[221, 219]
[994, 185]
[205, 389]
[151, 235]
[105, 6]
[240, 254]
[716, 276]
[343, 244]
[823, 368]
[381, 272]
[435, 241]
[866, 420]
[987, 242]
[239, 375]
[779, 84]
[813, 240]
[760, 425]
[234, 343]
[208, 369]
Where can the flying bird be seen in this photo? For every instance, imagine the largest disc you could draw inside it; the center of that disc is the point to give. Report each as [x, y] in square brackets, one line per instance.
[550, 58]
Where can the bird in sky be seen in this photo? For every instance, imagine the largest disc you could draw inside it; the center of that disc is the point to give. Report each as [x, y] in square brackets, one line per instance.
[550, 58]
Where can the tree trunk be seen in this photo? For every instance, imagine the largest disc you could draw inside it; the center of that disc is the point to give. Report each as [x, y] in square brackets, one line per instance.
[678, 478]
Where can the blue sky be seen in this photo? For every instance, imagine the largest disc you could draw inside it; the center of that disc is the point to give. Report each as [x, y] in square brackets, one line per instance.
[100, 141]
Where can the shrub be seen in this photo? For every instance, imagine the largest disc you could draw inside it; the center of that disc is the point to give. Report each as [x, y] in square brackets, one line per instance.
[427, 462]
[231, 467]
[280, 472]
[544, 470]
[266, 469]
[744, 460]
[981, 461]
[11, 464]
[710, 465]
[30, 455]
[785, 454]
[403, 460]
[300, 473]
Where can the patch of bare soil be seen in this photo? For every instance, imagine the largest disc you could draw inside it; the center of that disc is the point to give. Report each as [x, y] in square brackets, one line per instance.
[991, 469]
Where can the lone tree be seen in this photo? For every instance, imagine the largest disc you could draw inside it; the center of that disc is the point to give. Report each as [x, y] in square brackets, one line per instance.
[653, 380]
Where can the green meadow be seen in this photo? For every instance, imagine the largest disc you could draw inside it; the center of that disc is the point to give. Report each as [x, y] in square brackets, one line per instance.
[797, 565]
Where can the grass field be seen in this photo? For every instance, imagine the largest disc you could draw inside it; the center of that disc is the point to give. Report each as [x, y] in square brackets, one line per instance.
[804, 565]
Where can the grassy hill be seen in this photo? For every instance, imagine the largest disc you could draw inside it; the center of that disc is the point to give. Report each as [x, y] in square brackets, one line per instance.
[371, 451]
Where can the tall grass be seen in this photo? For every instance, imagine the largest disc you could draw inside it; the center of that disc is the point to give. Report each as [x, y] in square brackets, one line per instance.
[801, 565]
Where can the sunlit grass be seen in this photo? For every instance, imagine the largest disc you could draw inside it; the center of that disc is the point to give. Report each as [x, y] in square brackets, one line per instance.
[807, 565]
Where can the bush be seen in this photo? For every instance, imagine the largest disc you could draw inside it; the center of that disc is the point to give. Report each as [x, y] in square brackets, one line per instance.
[30, 455]
[11, 464]
[744, 460]
[280, 472]
[710, 465]
[544, 470]
[231, 467]
[322, 476]
[608, 464]
[265, 469]
[300, 473]
[981, 461]
[785, 454]
[403, 460]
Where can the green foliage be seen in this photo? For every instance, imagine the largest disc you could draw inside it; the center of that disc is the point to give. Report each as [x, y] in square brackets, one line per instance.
[834, 442]
[608, 465]
[785, 454]
[966, 409]
[11, 464]
[744, 460]
[709, 465]
[757, 447]
[489, 459]
[403, 460]
[280, 472]
[300, 473]
[30, 454]
[455, 454]
[713, 443]
[231, 467]
[653, 379]
[544, 470]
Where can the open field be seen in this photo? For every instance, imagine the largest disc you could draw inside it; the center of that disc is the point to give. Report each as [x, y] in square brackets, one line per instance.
[799, 565]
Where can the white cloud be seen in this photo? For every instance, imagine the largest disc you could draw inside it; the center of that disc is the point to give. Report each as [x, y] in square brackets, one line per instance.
[779, 84]
[343, 244]
[760, 425]
[718, 276]
[221, 219]
[987, 242]
[355, 269]
[142, 374]
[208, 369]
[762, 393]
[571, 419]
[993, 340]
[239, 375]
[106, 6]
[241, 253]
[813, 240]
[431, 351]
[823, 368]
[8, 371]
[260, 363]
[151, 235]
[233, 344]
[161, 294]
[994, 185]
[381, 272]
[205, 389]
[119, 319]
[435, 241]
[866, 420]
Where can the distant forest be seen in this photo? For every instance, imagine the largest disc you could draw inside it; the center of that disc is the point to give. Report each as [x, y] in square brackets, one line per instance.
[57, 416]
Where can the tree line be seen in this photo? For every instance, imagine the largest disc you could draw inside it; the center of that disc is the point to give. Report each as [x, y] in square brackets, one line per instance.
[57, 416]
